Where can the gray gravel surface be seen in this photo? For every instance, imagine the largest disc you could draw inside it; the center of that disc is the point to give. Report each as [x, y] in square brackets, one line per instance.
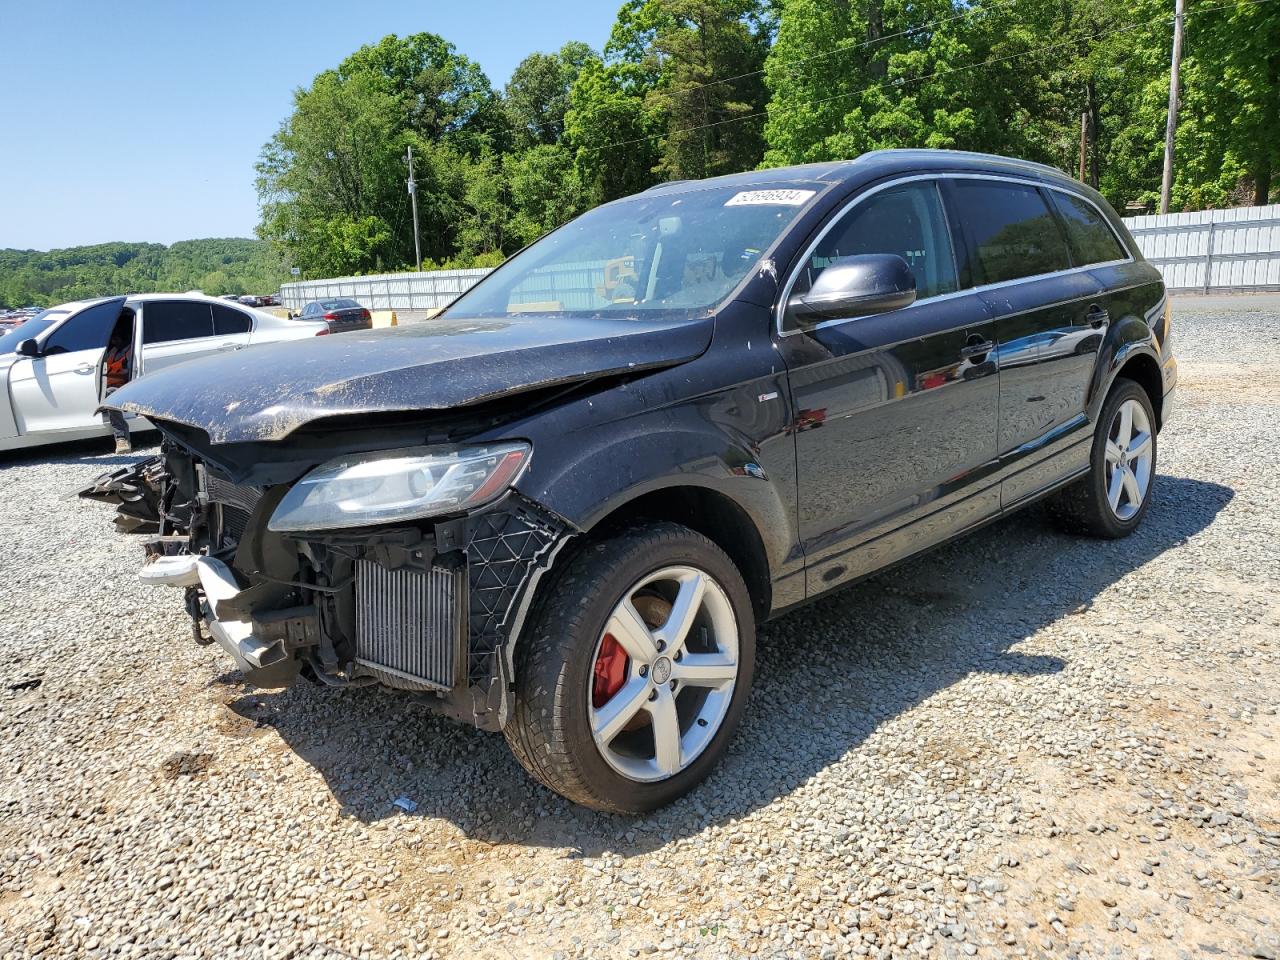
[1025, 744]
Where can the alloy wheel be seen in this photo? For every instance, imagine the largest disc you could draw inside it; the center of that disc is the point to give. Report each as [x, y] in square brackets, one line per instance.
[663, 673]
[1128, 458]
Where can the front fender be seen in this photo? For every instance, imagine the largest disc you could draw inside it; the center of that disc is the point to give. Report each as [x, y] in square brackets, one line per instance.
[643, 456]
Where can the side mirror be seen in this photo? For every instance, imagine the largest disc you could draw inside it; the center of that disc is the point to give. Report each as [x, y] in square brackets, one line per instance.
[856, 287]
[28, 347]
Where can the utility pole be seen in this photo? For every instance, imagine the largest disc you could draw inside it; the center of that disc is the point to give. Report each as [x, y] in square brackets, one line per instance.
[1166, 183]
[413, 197]
[1084, 140]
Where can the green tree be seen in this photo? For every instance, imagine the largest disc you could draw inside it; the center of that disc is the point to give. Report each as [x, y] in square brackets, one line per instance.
[331, 176]
[544, 191]
[444, 95]
[217, 266]
[699, 64]
[612, 134]
[331, 182]
[1228, 146]
[537, 95]
[863, 77]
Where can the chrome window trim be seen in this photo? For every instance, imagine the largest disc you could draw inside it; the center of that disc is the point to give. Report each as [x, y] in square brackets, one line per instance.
[780, 308]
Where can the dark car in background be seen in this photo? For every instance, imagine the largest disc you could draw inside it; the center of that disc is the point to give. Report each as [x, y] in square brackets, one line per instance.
[341, 313]
[560, 509]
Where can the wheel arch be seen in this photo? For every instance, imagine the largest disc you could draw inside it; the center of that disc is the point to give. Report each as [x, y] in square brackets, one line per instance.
[711, 513]
[1144, 370]
[1130, 351]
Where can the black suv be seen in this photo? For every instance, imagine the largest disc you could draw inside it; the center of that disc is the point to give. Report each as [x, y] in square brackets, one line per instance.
[560, 509]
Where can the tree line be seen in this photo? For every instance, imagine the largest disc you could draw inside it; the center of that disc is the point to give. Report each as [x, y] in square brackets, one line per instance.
[219, 266]
[695, 88]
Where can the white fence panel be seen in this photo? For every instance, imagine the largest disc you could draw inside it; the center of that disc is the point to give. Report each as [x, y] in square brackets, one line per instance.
[388, 291]
[1213, 250]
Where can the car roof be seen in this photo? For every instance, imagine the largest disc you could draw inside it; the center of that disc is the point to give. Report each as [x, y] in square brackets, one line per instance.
[871, 165]
[71, 306]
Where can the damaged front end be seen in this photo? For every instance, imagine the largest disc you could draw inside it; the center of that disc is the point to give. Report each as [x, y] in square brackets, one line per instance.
[429, 606]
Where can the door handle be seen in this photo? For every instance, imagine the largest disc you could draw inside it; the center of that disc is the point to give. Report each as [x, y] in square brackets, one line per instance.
[1097, 316]
[976, 347]
[85, 368]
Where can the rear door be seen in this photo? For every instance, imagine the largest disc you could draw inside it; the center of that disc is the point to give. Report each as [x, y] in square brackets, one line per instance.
[1047, 343]
[232, 328]
[1094, 244]
[894, 411]
[59, 389]
[176, 330]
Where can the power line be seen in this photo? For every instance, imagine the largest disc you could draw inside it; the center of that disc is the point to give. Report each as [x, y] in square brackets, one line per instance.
[1126, 28]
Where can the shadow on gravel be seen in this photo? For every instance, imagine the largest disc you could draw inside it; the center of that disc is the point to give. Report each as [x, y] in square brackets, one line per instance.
[826, 678]
[97, 450]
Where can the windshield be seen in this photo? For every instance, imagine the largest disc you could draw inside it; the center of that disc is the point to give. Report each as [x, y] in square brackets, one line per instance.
[338, 304]
[680, 253]
[32, 328]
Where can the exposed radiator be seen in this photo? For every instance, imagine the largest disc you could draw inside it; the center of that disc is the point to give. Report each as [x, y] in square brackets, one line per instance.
[238, 495]
[235, 501]
[409, 625]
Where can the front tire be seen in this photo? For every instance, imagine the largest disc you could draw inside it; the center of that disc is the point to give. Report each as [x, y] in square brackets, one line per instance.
[635, 670]
[1111, 500]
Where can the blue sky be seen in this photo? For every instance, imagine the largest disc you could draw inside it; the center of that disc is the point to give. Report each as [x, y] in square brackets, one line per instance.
[142, 120]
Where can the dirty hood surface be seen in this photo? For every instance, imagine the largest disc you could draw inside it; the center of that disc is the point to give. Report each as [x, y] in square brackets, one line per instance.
[266, 392]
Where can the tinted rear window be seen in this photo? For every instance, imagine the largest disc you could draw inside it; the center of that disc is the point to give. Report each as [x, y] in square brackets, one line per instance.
[1012, 228]
[167, 320]
[228, 320]
[1091, 239]
[339, 304]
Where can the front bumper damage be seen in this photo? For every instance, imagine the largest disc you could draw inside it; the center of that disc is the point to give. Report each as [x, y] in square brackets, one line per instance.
[432, 608]
[259, 648]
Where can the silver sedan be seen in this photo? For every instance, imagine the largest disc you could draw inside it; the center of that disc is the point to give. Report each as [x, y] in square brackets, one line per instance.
[52, 376]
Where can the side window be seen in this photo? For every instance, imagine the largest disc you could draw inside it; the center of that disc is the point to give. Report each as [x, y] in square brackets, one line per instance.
[87, 330]
[906, 220]
[1092, 239]
[1012, 229]
[167, 320]
[229, 320]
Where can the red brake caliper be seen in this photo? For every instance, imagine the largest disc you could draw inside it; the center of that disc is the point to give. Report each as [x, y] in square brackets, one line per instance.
[610, 671]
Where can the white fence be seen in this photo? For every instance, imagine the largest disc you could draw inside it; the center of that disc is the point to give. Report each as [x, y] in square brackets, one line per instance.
[386, 291]
[1213, 250]
[1234, 250]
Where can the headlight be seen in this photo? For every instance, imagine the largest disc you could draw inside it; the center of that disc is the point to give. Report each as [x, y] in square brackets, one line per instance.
[364, 489]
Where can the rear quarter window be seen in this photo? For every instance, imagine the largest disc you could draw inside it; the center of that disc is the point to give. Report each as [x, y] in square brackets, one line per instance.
[1092, 239]
[229, 320]
[1012, 229]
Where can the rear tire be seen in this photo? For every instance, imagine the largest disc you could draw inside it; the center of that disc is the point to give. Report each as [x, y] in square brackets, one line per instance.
[1111, 500]
[634, 671]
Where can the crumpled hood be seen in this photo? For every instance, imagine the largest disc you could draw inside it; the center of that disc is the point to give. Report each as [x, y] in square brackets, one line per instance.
[267, 392]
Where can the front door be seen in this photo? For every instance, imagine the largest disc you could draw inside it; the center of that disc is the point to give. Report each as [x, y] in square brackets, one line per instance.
[59, 390]
[896, 413]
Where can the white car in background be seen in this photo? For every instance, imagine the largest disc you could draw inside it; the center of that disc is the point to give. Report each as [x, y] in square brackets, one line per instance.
[51, 367]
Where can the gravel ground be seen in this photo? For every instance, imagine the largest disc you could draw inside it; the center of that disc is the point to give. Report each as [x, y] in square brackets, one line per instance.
[1023, 745]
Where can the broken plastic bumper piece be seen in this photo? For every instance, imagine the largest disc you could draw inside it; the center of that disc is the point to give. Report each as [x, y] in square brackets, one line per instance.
[263, 658]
